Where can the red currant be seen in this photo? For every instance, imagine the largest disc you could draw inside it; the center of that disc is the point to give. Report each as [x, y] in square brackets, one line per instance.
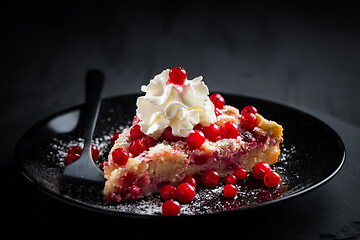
[271, 179]
[211, 178]
[185, 192]
[249, 109]
[230, 179]
[169, 136]
[71, 157]
[75, 149]
[212, 132]
[149, 141]
[168, 192]
[136, 133]
[195, 139]
[170, 208]
[94, 152]
[248, 121]
[229, 191]
[240, 173]
[177, 75]
[229, 130]
[217, 100]
[114, 137]
[78, 150]
[190, 180]
[120, 156]
[136, 147]
[260, 169]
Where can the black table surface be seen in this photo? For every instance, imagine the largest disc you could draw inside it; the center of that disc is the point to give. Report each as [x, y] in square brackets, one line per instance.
[303, 55]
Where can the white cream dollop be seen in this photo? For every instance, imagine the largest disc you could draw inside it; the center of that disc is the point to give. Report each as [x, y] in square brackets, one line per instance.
[180, 107]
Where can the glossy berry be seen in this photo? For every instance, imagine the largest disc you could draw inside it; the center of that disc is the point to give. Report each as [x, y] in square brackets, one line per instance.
[75, 149]
[248, 121]
[271, 179]
[177, 75]
[211, 178]
[94, 152]
[114, 137]
[240, 173]
[229, 191]
[168, 192]
[71, 157]
[136, 133]
[249, 109]
[190, 180]
[136, 147]
[217, 100]
[185, 192]
[260, 169]
[195, 139]
[212, 132]
[170, 208]
[120, 156]
[78, 150]
[231, 179]
[169, 136]
[149, 141]
[229, 130]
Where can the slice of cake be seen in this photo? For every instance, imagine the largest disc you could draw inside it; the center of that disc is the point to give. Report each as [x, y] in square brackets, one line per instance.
[179, 131]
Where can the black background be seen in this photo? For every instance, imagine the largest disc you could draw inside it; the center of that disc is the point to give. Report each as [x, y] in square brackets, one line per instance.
[305, 55]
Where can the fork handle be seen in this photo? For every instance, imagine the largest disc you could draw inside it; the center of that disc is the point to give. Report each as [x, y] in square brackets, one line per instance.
[94, 86]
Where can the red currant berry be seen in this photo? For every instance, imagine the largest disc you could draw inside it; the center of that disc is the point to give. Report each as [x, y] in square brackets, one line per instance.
[249, 109]
[260, 169]
[229, 191]
[149, 141]
[136, 133]
[229, 130]
[75, 149]
[212, 132]
[177, 75]
[191, 180]
[168, 192]
[94, 152]
[240, 173]
[211, 178]
[170, 208]
[169, 136]
[195, 139]
[248, 121]
[185, 192]
[136, 147]
[120, 156]
[271, 179]
[114, 137]
[217, 100]
[231, 179]
[71, 157]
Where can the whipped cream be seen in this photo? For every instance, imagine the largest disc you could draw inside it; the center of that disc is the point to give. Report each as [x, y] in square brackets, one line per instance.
[180, 107]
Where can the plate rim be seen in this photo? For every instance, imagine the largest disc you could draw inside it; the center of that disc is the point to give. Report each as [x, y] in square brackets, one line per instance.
[83, 205]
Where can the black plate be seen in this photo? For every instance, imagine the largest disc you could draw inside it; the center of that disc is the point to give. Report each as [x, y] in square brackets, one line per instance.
[312, 153]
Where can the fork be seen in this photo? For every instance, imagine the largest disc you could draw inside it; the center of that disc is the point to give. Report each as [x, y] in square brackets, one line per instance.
[84, 172]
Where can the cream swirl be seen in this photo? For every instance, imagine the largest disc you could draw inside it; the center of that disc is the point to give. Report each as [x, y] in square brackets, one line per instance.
[180, 107]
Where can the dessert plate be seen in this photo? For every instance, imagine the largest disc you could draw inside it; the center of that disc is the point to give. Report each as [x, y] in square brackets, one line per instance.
[312, 153]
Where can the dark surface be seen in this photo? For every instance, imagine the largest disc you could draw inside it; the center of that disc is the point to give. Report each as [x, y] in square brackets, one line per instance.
[306, 162]
[304, 55]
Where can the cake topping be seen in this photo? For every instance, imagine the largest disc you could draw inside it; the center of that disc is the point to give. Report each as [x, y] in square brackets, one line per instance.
[171, 100]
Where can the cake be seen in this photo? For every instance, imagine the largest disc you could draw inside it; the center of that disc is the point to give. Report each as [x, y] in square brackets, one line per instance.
[180, 131]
